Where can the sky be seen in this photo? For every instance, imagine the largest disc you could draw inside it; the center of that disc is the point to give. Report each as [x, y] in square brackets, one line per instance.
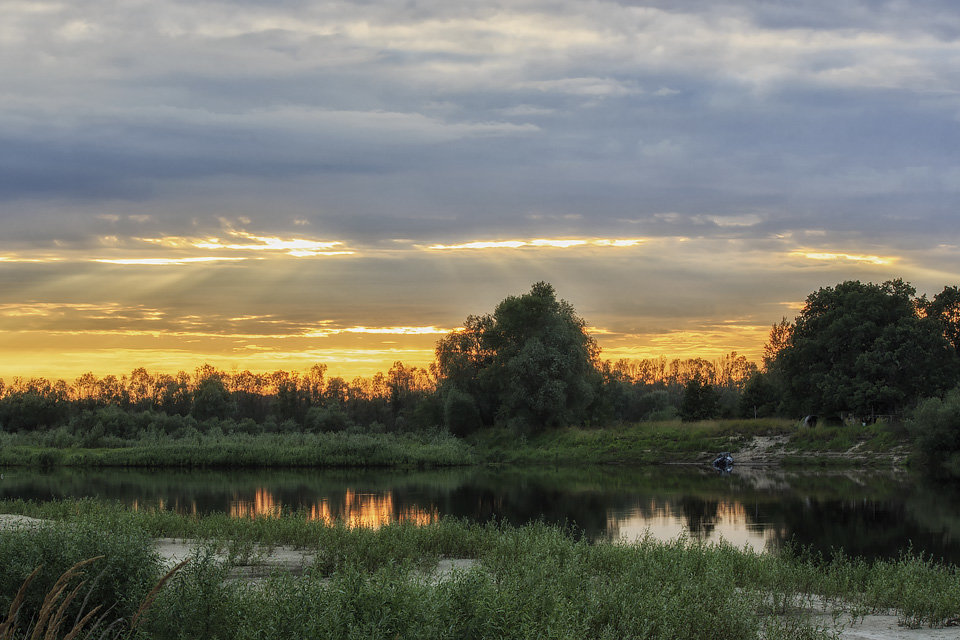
[269, 185]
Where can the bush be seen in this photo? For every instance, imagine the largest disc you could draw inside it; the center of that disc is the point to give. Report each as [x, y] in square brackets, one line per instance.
[936, 428]
[326, 419]
[460, 413]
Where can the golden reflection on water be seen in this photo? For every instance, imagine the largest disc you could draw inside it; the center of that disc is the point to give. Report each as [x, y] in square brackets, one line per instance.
[722, 520]
[357, 509]
[263, 504]
[707, 521]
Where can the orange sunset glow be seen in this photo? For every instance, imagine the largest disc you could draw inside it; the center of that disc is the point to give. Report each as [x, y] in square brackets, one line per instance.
[151, 302]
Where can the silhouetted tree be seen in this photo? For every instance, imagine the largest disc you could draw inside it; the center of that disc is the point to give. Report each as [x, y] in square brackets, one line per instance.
[863, 348]
[760, 397]
[211, 399]
[532, 360]
[700, 401]
[944, 309]
[460, 413]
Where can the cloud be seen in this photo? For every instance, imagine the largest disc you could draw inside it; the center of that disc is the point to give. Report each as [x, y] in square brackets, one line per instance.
[760, 150]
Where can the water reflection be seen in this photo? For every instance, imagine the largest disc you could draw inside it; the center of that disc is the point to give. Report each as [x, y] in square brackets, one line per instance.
[869, 514]
[370, 510]
[701, 520]
[354, 508]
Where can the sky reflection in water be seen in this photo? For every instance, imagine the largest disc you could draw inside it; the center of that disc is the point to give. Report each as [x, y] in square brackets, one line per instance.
[869, 514]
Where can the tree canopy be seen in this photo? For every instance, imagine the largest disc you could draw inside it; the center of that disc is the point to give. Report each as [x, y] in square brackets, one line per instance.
[531, 362]
[863, 349]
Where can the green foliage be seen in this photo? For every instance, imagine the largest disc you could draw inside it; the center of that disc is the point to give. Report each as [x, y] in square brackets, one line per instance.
[239, 450]
[760, 398]
[119, 580]
[514, 582]
[37, 405]
[198, 603]
[700, 401]
[531, 363]
[460, 413]
[211, 399]
[944, 309]
[327, 419]
[935, 426]
[862, 348]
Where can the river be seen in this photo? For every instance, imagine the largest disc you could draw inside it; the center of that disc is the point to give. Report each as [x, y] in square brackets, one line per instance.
[872, 514]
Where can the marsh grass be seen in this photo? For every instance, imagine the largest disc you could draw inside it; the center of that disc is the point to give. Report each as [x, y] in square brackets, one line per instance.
[239, 450]
[125, 572]
[640, 443]
[92, 622]
[536, 580]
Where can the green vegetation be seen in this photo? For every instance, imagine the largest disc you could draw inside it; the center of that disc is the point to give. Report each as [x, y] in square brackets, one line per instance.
[665, 441]
[239, 450]
[936, 427]
[865, 350]
[677, 441]
[123, 573]
[530, 581]
[645, 443]
[530, 364]
[525, 383]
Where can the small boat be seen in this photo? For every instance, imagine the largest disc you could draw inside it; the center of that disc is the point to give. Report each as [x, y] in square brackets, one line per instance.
[723, 462]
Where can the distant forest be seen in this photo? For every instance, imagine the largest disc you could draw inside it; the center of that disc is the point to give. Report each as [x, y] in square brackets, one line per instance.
[403, 399]
[855, 351]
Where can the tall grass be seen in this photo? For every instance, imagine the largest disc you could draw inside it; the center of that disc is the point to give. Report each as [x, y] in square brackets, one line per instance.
[641, 443]
[38, 565]
[676, 441]
[531, 581]
[244, 451]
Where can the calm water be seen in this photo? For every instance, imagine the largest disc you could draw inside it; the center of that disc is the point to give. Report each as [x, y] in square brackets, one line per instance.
[870, 514]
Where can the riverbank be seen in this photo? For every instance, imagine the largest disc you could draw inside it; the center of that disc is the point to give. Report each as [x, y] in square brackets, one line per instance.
[237, 450]
[507, 582]
[753, 442]
[770, 441]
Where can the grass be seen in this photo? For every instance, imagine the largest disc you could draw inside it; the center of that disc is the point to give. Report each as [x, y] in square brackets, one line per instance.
[635, 444]
[641, 443]
[676, 441]
[530, 581]
[247, 451]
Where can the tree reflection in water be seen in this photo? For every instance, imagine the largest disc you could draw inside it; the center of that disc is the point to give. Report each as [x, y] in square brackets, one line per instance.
[869, 514]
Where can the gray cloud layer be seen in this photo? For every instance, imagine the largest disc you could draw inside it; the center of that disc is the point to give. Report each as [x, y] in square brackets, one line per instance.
[366, 117]
[754, 128]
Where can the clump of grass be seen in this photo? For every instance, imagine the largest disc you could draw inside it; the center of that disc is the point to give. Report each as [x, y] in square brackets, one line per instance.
[52, 615]
[127, 568]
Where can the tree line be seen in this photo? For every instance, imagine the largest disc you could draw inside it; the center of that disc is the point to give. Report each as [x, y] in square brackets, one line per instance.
[531, 365]
[858, 351]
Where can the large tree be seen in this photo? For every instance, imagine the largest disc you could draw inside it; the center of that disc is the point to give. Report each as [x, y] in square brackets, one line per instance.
[863, 349]
[944, 309]
[530, 363]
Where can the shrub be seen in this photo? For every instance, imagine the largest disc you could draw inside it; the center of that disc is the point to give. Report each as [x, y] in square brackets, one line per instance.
[460, 413]
[326, 419]
[936, 427]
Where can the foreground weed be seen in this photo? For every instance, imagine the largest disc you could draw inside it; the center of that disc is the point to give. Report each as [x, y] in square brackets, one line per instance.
[53, 611]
